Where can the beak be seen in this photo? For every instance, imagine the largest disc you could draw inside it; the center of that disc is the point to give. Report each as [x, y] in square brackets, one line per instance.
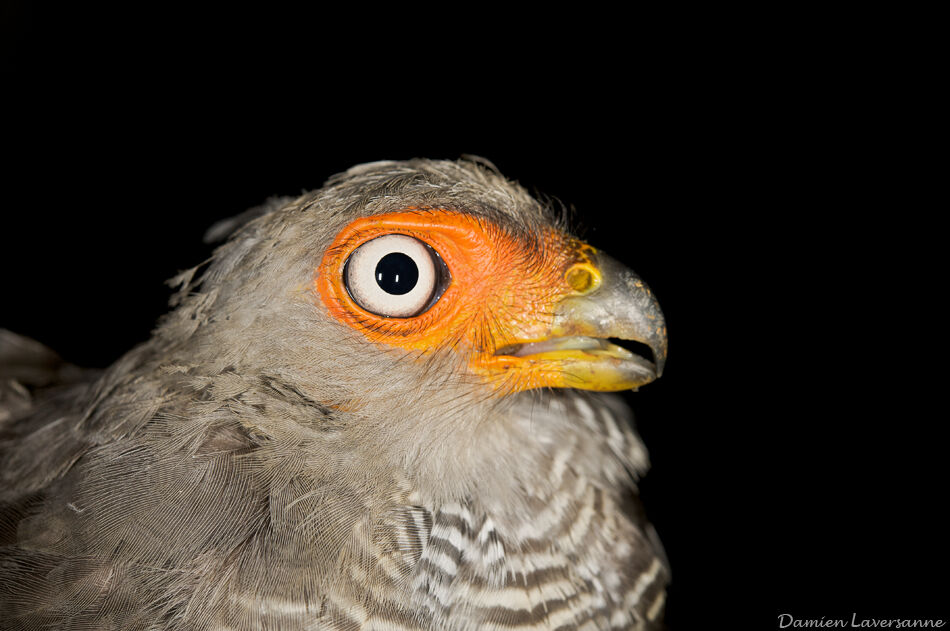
[608, 301]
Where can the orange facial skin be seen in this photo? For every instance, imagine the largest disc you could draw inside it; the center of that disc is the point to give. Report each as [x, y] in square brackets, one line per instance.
[502, 291]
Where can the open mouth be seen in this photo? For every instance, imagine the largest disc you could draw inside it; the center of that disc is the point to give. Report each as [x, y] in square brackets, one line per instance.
[584, 348]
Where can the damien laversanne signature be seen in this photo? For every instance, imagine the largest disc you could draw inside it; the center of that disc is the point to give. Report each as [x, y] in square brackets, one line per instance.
[788, 621]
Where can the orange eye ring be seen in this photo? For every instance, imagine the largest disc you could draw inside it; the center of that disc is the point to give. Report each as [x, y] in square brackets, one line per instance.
[495, 276]
[455, 237]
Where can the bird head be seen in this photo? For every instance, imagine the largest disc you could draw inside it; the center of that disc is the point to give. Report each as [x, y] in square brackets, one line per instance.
[526, 305]
[403, 296]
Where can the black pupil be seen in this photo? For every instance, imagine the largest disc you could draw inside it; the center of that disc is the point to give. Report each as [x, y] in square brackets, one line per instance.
[396, 273]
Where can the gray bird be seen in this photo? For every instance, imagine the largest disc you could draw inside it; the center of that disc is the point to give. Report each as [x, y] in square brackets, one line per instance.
[382, 405]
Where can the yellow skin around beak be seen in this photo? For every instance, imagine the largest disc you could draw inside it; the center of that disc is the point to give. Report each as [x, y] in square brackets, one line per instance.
[605, 300]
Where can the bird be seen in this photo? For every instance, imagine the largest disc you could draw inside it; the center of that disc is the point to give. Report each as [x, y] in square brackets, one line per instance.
[389, 403]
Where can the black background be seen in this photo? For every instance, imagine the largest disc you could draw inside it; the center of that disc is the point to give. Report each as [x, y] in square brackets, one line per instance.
[759, 190]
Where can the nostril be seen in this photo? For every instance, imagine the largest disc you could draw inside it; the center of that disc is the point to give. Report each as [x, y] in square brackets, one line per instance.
[582, 278]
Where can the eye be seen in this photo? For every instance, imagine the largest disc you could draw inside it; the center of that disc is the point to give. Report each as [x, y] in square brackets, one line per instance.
[395, 276]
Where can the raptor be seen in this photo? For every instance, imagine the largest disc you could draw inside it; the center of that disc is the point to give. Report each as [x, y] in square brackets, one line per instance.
[386, 404]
